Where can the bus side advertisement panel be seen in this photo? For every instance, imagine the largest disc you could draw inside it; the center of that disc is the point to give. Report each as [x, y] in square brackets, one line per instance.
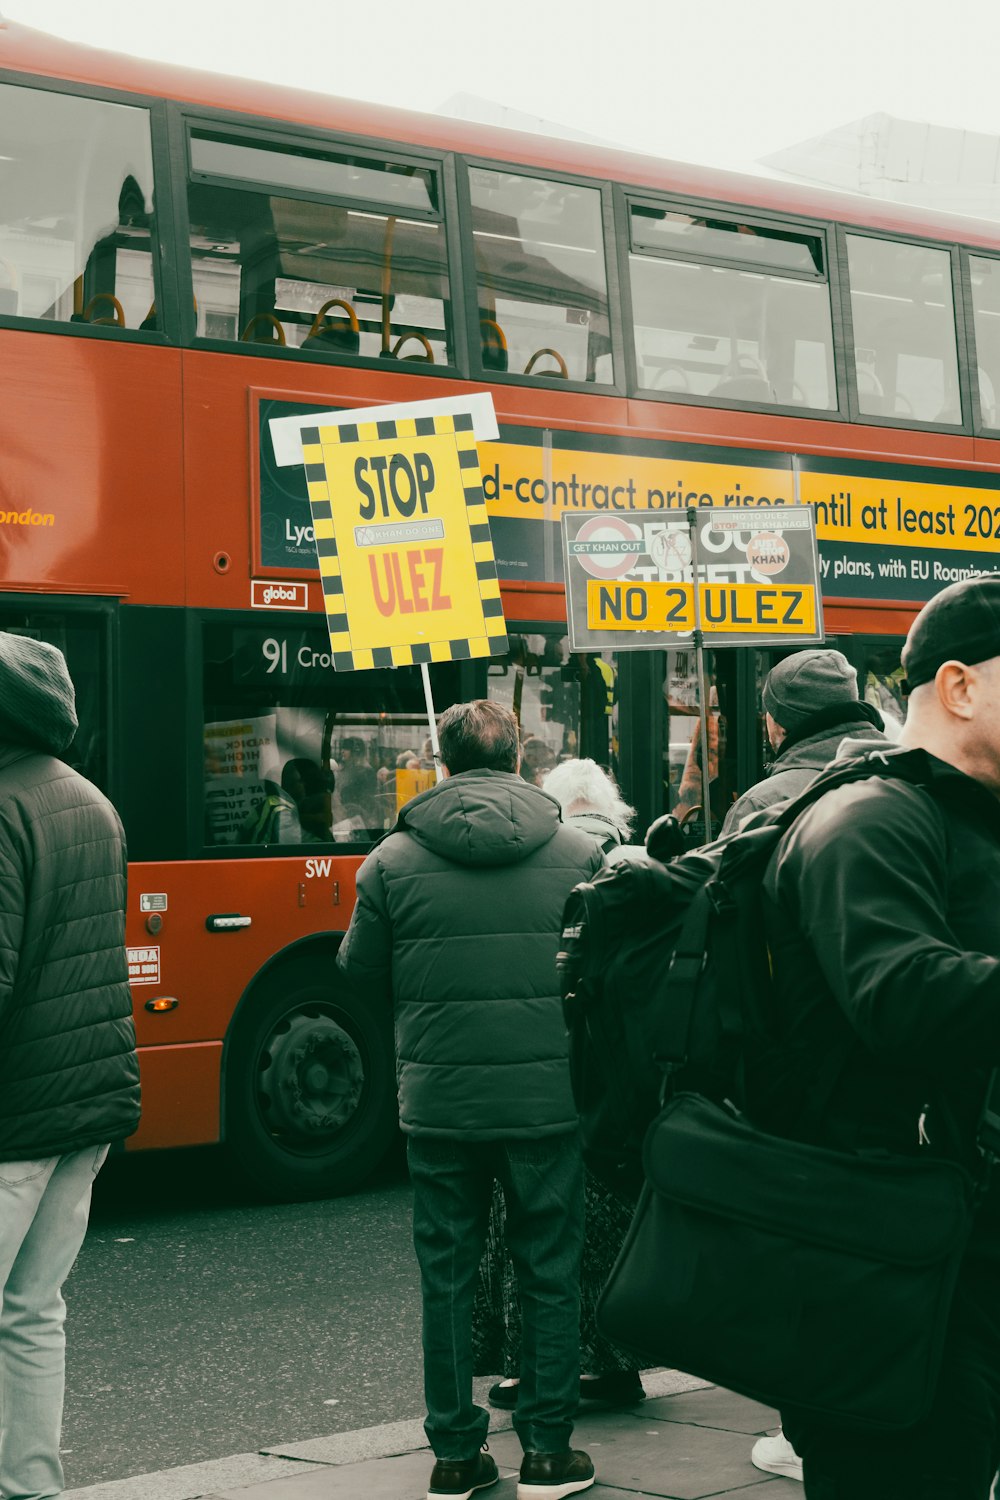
[884, 531]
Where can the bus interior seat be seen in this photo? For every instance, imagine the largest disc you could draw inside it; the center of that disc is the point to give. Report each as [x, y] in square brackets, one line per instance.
[872, 400]
[745, 379]
[427, 357]
[151, 322]
[671, 378]
[263, 328]
[561, 373]
[868, 382]
[8, 288]
[340, 335]
[745, 388]
[493, 343]
[112, 317]
[987, 398]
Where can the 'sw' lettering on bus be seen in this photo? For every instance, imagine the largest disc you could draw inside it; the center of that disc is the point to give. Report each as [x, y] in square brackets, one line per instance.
[302, 769]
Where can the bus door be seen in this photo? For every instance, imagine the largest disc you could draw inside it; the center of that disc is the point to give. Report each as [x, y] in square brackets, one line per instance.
[567, 703]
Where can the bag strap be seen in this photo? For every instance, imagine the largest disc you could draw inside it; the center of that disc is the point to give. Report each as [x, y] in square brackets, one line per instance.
[670, 1045]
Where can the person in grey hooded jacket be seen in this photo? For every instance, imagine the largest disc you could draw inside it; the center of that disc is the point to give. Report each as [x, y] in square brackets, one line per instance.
[69, 1080]
[811, 705]
[457, 925]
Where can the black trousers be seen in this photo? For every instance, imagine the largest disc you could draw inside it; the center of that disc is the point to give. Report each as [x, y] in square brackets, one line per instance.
[953, 1454]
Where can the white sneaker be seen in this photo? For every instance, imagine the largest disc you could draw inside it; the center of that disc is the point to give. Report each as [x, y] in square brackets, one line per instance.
[775, 1455]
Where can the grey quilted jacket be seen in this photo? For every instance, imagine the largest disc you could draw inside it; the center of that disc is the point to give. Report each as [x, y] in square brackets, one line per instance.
[68, 1071]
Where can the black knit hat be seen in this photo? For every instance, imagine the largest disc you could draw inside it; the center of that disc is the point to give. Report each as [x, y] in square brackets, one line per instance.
[807, 683]
[962, 623]
[37, 701]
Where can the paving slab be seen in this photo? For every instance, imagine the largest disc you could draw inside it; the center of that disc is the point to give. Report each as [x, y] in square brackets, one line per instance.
[688, 1441]
[715, 1408]
[664, 1459]
[403, 1478]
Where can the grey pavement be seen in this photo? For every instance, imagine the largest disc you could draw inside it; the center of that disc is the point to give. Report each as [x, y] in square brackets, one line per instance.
[687, 1441]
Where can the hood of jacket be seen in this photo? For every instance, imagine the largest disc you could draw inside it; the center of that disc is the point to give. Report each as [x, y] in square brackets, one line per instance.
[482, 818]
[597, 825]
[37, 701]
[815, 750]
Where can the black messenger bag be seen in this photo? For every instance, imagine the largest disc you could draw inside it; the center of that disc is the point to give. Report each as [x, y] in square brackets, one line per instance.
[793, 1274]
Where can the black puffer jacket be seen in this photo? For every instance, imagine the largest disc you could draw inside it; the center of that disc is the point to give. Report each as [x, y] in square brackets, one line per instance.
[883, 922]
[68, 1071]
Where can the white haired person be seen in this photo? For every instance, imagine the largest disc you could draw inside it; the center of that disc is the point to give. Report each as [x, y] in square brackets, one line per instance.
[590, 800]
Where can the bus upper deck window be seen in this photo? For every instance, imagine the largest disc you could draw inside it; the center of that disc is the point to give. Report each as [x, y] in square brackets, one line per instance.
[984, 274]
[76, 210]
[904, 331]
[543, 291]
[730, 311]
[320, 251]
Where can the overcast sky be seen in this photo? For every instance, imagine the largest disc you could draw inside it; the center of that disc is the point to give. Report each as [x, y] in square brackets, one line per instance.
[717, 81]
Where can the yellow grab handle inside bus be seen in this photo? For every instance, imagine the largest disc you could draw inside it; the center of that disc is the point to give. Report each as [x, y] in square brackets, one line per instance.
[268, 319]
[413, 334]
[562, 371]
[321, 321]
[115, 319]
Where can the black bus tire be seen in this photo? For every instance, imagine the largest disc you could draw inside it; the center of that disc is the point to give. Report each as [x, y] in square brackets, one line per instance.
[310, 1093]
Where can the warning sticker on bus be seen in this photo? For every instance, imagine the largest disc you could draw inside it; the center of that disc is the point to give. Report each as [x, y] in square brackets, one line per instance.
[143, 965]
[630, 582]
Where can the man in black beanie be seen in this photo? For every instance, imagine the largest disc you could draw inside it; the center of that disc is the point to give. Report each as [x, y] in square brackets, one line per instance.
[883, 924]
[69, 1081]
[811, 706]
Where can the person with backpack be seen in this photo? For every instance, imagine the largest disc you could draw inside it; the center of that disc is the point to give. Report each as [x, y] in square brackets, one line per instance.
[883, 924]
[456, 926]
[592, 801]
[811, 705]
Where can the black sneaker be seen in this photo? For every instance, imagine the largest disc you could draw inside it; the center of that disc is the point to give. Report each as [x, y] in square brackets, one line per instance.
[550, 1476]
[504, 1395]
[615, 1388]
[457, 1479]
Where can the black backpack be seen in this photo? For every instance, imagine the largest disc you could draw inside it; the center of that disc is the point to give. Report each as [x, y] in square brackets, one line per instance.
[665, 975]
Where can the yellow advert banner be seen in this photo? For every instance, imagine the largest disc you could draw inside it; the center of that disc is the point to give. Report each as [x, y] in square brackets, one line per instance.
[535, 483]
[733, 608]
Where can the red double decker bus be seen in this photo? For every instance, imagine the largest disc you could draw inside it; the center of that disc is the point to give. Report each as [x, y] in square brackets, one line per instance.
[185, 257]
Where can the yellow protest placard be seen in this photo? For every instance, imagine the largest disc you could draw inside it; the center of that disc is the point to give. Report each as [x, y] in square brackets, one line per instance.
[403, 541]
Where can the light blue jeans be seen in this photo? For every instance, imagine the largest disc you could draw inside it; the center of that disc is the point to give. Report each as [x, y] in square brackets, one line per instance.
[44, 1208]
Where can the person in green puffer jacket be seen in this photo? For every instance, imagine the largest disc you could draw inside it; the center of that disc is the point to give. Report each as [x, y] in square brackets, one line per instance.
[457, 925]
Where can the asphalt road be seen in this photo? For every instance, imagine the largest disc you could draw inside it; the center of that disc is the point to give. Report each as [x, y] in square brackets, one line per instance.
[203, 1324]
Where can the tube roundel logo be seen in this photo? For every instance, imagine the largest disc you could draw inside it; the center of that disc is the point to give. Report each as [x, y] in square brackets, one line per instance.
[607, 546]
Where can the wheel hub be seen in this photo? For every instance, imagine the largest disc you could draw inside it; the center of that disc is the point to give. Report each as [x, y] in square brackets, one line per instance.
[312, 1076]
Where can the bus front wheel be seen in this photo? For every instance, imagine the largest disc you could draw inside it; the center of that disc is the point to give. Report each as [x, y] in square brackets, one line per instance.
[310, 1092]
